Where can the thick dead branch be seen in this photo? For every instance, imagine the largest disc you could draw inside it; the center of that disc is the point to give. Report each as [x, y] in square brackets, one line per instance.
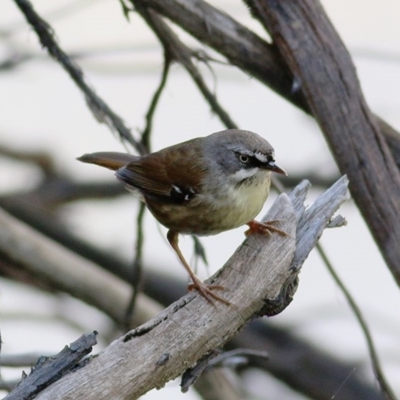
[288, 354]
[256, 278]
[317, 57]
[221, 32]
[386, 235]
[246, 50]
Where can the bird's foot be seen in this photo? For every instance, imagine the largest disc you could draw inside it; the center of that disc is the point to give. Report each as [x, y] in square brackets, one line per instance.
[206, 291]
[264, 228]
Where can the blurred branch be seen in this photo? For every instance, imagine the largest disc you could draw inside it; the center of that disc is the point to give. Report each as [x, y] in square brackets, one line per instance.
[101, 111]
[8, 385]
[43, 260]
[206, 383]
[60, 11]
[19, 360]
[217, 385]
[42, 159]
[320, 380]
[58, 190]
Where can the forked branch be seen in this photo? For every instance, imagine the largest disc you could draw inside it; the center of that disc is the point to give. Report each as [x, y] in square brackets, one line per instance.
[260, 279]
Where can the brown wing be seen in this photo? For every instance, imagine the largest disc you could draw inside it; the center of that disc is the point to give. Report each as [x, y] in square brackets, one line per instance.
[170, 175]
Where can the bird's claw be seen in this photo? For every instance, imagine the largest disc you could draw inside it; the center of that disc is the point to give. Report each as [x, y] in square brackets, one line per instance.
[264, 228]
[206, 291]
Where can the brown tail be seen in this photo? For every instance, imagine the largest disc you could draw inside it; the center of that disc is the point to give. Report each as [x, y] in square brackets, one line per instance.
[108, 160]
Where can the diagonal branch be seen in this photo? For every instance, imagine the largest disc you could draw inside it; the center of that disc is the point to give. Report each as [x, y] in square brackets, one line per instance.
[101, 111]
[316, 55]
[49, 369]
[257, 276]
[246, 50]
[322, 376]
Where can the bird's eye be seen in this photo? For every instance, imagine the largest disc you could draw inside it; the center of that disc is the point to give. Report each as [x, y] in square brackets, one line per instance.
[244, 159]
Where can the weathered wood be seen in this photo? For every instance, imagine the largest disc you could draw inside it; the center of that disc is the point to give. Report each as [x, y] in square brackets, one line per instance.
[49, 369]
[166, 346]
[246, 50]
[321, 63]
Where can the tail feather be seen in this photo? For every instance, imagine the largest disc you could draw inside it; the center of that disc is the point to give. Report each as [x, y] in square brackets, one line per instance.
[110, 160]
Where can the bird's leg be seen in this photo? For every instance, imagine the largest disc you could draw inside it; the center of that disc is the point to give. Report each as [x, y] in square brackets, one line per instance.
[264, 228]
[203, 289]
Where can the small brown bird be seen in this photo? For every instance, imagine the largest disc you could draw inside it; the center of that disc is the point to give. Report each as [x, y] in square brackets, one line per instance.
[201, 187]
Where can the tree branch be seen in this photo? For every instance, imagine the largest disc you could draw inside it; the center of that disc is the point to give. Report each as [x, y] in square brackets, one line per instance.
[321, 378]
[177, 51]
[316, 55]
[192, 327]
[63, 270]
[101, 111]
[49, 369]
[246, 50]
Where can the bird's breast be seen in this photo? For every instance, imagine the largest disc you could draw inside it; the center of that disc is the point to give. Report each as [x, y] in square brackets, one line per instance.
[240, 203]
[215, 210]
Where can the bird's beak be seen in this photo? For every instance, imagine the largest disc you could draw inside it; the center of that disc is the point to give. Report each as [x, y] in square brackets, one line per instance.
[273, 167]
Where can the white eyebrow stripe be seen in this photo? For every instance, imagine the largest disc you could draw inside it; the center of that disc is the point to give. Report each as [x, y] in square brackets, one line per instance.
[261, 157]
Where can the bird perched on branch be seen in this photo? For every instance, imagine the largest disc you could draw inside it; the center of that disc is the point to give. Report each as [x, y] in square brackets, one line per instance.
[201, 187]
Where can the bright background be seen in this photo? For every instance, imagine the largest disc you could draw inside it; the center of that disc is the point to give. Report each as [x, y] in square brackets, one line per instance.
[42, 109]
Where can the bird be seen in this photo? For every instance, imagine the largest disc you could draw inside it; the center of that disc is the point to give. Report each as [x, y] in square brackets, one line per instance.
[203, 186]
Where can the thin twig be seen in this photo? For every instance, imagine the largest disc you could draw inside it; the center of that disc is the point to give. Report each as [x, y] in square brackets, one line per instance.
[101, 111]
[137, 269]
[137, 272]
[154, 102]
[386, 389]
[179, 52]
